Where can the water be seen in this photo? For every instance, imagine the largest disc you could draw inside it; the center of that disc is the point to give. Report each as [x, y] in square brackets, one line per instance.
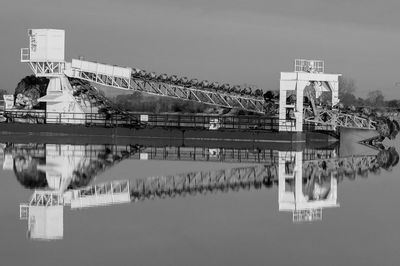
[201, 206]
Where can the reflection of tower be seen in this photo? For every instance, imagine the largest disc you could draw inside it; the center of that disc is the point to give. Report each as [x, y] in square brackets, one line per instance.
[45, 215]
[61, 162]
[292, 197]
[64, 165]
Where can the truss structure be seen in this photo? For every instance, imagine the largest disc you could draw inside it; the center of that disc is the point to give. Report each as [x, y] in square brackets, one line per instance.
[46, 58]
[46, 198]
[308, 215]
[43, 68]
[224, 180]
[331, 119]
[348, 165]
[41, 199]
[166, 89]
[101, 194]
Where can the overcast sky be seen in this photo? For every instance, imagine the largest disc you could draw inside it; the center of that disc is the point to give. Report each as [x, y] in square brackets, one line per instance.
[235, 41]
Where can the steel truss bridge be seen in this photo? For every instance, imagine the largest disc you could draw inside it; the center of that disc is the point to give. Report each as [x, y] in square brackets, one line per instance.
[333, 119]
[46, 58]
[165, 86]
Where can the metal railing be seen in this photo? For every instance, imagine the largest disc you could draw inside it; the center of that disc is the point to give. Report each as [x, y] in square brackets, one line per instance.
[151, 120]
[25, 55]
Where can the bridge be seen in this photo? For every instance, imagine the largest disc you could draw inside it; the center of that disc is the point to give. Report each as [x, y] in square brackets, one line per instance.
[67, 104]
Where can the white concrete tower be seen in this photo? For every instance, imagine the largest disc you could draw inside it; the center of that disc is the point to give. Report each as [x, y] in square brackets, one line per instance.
[46, 57]
[306, 73]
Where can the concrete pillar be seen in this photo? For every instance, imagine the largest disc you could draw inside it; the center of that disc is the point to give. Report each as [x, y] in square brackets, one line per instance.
[300, 86]
[335, 91]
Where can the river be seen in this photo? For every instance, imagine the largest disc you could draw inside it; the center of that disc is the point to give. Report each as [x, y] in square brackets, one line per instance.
[200, 206]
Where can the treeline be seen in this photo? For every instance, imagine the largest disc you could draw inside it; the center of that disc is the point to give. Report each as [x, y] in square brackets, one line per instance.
[375, 98]
[139, 102]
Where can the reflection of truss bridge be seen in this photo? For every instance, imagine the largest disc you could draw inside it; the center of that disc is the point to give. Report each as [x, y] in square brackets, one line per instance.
[295, 171]
[202, 182]
[350, 166]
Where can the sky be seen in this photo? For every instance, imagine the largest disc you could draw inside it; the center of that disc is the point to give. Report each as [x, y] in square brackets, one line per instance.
[229, 41]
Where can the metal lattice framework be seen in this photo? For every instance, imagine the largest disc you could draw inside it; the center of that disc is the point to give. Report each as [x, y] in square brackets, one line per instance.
[41, 199]
[101, 194]
[159, 88]
[46, 198]
[334, 118]
[346, 165]
[307, 215]
[42, 68]
[109, 188]
[225, 180]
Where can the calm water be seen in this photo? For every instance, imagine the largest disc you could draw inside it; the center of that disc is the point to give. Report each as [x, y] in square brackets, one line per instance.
[199, 206]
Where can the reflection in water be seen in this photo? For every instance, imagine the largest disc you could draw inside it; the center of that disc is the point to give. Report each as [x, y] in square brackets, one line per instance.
[59, 167]
[60, 174]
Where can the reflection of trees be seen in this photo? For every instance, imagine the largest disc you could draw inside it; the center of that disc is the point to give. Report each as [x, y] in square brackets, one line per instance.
[316, 177]
[26, 172]
[27, 157]
[316, 181]
[89, 168]
[353, 166]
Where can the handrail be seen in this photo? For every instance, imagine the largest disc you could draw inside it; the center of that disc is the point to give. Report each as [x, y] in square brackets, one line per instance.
[152, 120]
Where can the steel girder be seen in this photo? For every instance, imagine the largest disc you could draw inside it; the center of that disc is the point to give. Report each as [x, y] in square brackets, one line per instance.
[165, 89]
[335, 118]
[47, 69]
[46, 198]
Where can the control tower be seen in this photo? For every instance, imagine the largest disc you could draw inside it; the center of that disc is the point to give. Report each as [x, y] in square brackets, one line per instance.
[307, 73]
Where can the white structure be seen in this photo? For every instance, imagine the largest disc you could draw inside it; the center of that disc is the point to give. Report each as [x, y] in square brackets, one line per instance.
[307, 73]
[45, 215]
[45, 212]
[61, 162]
[45, 56]
[290, 168]
[115, 192]
[8, 101]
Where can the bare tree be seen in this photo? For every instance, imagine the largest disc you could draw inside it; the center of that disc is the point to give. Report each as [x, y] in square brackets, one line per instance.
[347, 87]
[375, 98]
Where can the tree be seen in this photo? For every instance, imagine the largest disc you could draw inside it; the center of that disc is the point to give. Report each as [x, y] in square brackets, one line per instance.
[2, 92]
[347, 87]
[375, 98]
[393, 103]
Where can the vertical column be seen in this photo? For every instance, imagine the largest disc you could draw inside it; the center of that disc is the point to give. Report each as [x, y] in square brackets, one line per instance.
[335, 92]
[300, 85]
[286, 84]
[286, 160]
[298, 175]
